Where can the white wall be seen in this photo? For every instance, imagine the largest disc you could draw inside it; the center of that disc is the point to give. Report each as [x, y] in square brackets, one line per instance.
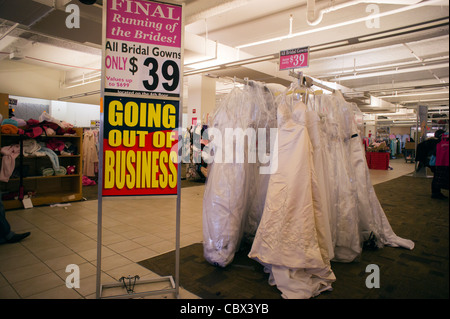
[78, 114]
[22, 79]
[34, 81]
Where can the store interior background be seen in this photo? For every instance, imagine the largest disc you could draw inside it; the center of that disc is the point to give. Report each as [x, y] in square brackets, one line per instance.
[388, 67]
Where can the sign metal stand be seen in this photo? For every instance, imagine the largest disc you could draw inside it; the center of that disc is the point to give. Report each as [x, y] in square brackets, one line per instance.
[174, 283]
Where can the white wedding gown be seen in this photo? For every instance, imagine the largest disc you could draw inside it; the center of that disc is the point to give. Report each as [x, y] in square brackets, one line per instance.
[291, 240]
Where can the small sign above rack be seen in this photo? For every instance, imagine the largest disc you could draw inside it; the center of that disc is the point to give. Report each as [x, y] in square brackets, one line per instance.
[294, 58]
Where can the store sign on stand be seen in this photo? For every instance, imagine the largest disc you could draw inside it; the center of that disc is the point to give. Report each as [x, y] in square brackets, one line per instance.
[143, 48]
[142, 64]
[138, 139]
[140, 111]
[294, 58]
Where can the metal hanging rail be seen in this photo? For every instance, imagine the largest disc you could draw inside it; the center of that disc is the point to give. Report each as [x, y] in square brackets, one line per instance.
[308, 81]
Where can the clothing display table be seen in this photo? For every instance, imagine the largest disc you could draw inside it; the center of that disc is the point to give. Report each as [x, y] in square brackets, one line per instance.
[377, 160]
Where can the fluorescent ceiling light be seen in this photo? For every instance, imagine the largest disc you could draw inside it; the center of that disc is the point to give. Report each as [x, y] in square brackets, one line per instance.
[329, 45]
[201, 70]
[411, 94]
[252, 60]
[342, 24]
[426, 100]
[389, 67]
[84, 83]
[390, 72]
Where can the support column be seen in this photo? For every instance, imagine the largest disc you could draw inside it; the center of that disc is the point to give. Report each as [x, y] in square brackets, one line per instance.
[201, 98]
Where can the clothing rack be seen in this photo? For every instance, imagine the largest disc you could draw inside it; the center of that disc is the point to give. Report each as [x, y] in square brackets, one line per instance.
[246, 81]
[308, 81]
[242, 81]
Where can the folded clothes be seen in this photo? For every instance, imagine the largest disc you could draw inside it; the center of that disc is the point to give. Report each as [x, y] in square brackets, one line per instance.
[10, 121]
[9, 128]
[30, 147]
[69, 149]
[55, 145]
[49, 131]
[51, 155]
[34, 132]
[20, 122]
[61, 171]
[48, 172]
[45, 117]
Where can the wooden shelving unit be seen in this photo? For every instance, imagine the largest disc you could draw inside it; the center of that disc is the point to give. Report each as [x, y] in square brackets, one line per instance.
[46, 189]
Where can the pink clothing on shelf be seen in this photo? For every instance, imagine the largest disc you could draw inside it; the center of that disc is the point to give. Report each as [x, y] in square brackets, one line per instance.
[55, 145]
[10, 154]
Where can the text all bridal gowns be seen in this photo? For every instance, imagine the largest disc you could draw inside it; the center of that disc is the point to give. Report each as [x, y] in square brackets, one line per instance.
[291, 238]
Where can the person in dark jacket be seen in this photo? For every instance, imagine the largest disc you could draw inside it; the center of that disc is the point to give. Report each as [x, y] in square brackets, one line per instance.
[6, 235]
[425, 150]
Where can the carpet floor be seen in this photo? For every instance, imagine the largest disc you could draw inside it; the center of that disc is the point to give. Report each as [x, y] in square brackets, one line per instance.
[421, 273]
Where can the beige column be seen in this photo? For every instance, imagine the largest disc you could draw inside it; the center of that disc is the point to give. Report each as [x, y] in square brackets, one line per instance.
[201, 98]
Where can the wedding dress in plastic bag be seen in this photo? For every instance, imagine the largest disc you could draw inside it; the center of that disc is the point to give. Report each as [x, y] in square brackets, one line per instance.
[235, 191]
[344, 219]
[290, 240]
[372, 218]
[321, 169]
[265, 108]
[224, 200]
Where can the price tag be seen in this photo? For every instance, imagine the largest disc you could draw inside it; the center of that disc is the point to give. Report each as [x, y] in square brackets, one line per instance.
[144, 69]
[294, 58]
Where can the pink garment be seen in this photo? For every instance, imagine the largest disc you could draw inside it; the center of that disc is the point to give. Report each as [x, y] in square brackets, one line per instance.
[90, 155]
[86, 181]
[10, 154]
[442, 152]
[35, 131]
[55, 145]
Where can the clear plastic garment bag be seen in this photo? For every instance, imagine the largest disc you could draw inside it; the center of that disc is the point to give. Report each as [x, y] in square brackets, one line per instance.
[235, 191]
[318, 206]
[291, 240]
[373, 223]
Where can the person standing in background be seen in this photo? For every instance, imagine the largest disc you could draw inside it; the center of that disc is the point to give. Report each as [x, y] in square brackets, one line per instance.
[6, 235]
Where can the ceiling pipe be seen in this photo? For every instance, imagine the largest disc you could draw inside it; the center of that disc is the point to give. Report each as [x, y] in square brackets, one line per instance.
[11, 29]
[314, 16]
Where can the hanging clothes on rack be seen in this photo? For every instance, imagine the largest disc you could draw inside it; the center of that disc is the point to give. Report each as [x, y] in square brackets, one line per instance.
[319, 158]
[290, 241]
[343, 207]
[235, 191]
[318, 206]
[90, 152]
[225, 197]
[372, 219]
